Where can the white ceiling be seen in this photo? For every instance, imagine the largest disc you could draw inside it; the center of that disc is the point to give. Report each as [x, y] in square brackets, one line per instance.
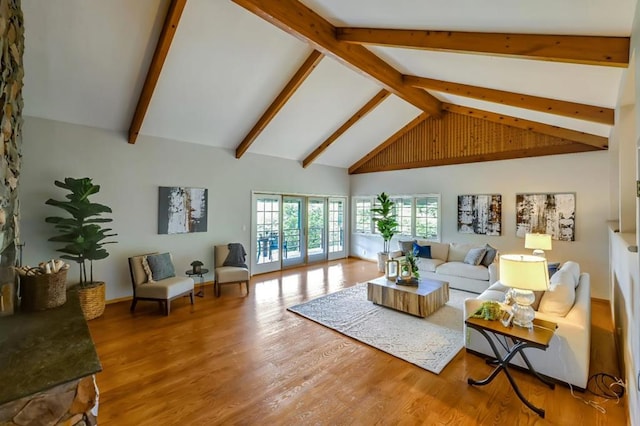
[86, 60]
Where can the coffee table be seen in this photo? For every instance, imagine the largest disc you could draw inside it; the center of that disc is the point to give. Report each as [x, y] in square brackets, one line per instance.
[421, 301]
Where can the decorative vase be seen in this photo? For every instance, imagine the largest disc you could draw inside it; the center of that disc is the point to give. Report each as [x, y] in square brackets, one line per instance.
[382, 260]
[92, 299]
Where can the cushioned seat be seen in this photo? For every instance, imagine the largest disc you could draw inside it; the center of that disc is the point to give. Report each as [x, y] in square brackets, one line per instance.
[227, 274]
[161, 290]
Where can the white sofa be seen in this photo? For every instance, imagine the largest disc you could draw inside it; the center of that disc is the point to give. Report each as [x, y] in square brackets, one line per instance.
[567, 357]
[447, 264]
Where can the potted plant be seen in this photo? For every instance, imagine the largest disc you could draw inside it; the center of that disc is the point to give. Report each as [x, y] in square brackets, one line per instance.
[409, 266]
[385, 220]
[84, 238]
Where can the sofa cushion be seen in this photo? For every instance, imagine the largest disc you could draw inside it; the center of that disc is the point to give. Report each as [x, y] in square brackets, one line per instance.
[406, 246]
[489, 256]
[422, 251]
[559, 299]
[165, 289]
[429, 265]
[161, 266]
[461, 269]
[438, 250]
[574, 269]
[475, 255]
[458, 251]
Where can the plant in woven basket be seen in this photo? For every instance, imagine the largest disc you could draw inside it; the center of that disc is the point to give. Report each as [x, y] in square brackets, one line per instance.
[82, 233]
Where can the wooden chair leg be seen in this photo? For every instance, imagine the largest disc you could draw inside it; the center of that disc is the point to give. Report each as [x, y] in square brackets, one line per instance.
[247, 287]
[133, 304]
[167, 305]
[191, 296]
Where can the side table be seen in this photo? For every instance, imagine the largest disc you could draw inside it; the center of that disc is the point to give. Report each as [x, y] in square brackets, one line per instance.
[200, 274]
[522, 338]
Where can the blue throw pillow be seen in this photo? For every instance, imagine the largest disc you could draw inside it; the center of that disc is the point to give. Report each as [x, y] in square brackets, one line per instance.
[161, 266]
[422, 251]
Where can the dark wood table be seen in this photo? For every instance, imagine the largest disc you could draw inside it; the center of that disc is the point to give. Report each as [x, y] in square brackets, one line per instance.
[537, 337]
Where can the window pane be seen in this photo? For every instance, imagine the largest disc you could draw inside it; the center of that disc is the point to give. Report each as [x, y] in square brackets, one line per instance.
[363, 216]
[403, 215]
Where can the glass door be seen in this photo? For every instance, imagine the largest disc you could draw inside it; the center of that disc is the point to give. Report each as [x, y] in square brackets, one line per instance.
[337, 248]
[265, 253]
[316, 229]
[294, 248]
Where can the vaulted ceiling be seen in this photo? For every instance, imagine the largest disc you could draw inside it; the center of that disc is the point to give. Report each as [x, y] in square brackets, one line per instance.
[332, 82]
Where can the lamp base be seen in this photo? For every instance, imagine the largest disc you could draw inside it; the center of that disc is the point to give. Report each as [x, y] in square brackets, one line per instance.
[523, 313]
[538, 252]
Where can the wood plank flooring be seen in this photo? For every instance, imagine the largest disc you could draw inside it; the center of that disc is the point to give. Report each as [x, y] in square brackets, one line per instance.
[245, 360]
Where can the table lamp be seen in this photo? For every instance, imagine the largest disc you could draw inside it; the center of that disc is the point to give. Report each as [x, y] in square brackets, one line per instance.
[524, 274]
[538, 242]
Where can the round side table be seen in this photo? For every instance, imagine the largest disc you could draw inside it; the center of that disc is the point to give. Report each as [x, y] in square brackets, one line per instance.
[200, 274]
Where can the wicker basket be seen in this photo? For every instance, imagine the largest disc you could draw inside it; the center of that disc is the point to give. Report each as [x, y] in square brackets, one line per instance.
[44, 291]
[92, 300]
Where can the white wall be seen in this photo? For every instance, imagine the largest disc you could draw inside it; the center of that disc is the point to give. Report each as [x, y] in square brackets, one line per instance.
[586, 174]
[130, 176]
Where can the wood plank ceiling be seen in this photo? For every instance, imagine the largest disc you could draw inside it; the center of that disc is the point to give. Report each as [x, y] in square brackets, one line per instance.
[440, 134]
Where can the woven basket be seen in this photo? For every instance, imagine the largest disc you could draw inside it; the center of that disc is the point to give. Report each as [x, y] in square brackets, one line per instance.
[92, 300]
[44, 291]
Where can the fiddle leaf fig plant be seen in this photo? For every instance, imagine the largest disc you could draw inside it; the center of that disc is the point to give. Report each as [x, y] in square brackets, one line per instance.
[385, 219]
[82, 233]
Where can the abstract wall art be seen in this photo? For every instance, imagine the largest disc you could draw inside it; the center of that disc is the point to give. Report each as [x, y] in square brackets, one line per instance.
[552, 213]
[182, 210]
[480, 214]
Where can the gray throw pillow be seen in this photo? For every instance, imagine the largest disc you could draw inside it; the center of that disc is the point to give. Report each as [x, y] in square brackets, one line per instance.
[161, 266]
[489, 256]
[475, 255]
[406, 246]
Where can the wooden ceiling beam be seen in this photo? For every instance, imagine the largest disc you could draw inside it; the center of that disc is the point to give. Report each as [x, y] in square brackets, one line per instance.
[397, 135]
[300, 21]
[535, 103]
[534, 126]
[155, 68]
[298, 78]
[592, 50]
[369, 106]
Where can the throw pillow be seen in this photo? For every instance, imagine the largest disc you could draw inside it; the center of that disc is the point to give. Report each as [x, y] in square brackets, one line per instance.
[560, 297]
[489, 256]
[406, 246]
[147, 270]
[422, 251]
[475, 255]
[574, 269]
[161, 266]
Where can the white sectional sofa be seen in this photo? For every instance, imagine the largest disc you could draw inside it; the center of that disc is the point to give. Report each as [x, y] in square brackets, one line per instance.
[567, 357]
[447, 263]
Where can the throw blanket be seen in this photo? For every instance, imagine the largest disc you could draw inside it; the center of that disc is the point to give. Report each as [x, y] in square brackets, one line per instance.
[236, 256]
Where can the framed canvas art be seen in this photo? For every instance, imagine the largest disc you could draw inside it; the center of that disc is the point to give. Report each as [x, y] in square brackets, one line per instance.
[551, 213]
[480, 214]
[182, 210]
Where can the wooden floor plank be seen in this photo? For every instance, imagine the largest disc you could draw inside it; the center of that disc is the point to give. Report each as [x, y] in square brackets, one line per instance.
[243, 359]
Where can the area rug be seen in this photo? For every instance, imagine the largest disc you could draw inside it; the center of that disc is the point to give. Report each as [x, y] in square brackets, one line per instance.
[429, 343]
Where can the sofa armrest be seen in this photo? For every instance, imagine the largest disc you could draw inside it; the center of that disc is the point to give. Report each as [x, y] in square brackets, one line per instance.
[395, 254]
[471, 305]
[493, 273]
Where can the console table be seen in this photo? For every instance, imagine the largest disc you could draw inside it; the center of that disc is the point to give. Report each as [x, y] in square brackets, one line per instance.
[522, 338]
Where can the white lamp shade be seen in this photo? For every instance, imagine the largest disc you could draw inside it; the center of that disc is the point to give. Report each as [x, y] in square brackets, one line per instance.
[537, 241]
[524, 272]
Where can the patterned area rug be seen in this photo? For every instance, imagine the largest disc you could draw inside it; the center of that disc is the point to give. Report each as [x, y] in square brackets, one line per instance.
[429, 342]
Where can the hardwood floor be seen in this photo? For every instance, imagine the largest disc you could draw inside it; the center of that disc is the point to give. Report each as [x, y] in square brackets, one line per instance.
[246, 360]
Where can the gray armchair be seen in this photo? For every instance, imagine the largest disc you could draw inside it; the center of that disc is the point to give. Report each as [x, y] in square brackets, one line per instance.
[227, 274]
[163, 291]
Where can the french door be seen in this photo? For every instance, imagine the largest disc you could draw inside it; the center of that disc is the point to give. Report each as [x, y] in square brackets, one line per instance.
[293, 230]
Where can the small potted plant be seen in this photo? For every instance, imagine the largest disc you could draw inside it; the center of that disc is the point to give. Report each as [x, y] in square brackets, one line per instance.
[385, 220]
[83, 238]
[197, 267]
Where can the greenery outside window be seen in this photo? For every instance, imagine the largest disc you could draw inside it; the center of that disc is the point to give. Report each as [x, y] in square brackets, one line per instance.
[417, 215]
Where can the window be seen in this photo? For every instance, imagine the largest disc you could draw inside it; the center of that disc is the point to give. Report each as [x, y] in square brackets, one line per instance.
[417, 215]
[363, 221]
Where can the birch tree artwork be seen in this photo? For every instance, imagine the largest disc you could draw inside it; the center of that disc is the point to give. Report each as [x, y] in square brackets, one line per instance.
[182, 210]
[480, 214]
[553, 214]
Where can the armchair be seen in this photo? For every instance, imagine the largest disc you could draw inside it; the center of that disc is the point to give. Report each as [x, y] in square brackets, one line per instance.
[227, 274]
[162, 290]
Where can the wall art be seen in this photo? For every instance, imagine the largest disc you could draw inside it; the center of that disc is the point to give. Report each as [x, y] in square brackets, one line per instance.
[480, 214]
[552, 213]
[182, 210]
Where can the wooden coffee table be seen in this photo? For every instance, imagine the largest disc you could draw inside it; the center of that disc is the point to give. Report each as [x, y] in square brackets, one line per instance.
[421, 301]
